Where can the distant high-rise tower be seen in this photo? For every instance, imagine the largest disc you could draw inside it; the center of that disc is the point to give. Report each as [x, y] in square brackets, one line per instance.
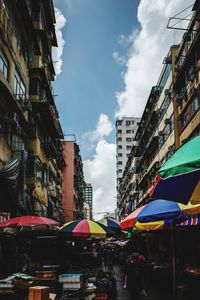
[89, 196]
[126, 128]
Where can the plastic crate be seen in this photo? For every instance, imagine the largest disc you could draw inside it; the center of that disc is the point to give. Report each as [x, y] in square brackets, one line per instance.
[70, 278]
[101, 297]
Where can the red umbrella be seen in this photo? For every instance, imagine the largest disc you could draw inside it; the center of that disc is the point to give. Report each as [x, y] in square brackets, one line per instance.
[28, 221]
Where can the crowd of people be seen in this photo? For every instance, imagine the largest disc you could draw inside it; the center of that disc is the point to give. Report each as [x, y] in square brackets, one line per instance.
[132, 265]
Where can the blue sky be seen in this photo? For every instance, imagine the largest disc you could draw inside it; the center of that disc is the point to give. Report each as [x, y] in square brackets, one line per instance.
[90, 76]
[110, 54]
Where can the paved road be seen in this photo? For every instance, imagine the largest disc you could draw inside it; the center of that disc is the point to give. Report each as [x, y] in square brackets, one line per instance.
[154, 292]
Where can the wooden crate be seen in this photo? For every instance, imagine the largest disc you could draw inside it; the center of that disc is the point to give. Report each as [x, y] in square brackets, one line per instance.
[39, 293]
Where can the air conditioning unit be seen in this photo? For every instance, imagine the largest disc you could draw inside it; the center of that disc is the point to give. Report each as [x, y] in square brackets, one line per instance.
[167, 92]
[187, 37]
[179, 97]
[195, 69]
[12, 118]
[27, 105]
[171, 148]
[177, 67]
[157, 164]
[167, 60]
[19, 129]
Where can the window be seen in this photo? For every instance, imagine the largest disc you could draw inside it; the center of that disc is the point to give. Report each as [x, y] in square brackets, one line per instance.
[119, 131]
[190, 112]
[128, 147]
[119, 139]
[19, 87]
[120, 147]
[133, 122]
[3, 65]
[119, 122]
[119, 154]
[164, 106]
[165, 75]
[17, 143]
[120, 171]
[166, 131]
[133, 131]
[128, 139]
[128, 131]
[161, 140]
[128, 123]
[119, 162]
[195, 105]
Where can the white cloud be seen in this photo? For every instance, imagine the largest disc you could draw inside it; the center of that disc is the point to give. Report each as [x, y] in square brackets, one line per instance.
[126, 41]
[100, 172]
[57, 51]
[103, 129]
[121, 60]
[149, 47]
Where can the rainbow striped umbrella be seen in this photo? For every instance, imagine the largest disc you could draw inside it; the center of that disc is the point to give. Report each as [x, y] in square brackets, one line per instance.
[112, 224]
[86, 228]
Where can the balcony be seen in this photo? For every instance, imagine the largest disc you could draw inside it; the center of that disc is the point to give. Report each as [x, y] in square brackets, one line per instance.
[24, 103]
[187, 54]
[49, 115]
[49, 147]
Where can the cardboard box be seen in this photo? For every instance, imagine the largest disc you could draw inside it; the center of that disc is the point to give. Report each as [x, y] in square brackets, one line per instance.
[39, 293]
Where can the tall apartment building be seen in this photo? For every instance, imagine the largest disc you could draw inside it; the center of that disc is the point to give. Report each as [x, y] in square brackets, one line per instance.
[126, 128]
[171, 117]
[186, 83]
[73, 182]
[30, 140]
[88, 196]
[155, 141]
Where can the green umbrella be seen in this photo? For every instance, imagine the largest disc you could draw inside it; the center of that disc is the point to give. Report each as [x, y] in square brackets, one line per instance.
[179, 178]
[185, 159]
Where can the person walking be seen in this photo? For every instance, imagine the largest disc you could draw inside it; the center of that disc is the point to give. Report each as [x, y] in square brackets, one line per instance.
[133, 279]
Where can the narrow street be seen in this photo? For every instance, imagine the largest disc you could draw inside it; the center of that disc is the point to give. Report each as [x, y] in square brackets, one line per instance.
[154, 292]
[100, 149]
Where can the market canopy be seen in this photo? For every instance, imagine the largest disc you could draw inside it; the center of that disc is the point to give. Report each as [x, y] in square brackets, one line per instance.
[112, 224]
[131, 219]
[191, 221]
[180, 176]
[164, 210]
[86, 228]
[158, 213]
[28, 221]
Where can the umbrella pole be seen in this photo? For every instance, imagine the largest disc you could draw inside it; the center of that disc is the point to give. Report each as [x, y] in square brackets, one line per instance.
[173, 258]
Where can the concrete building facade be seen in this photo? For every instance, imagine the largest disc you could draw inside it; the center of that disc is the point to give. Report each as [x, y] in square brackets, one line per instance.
[73, 184]
[186, 83]
[126, 128]
[88, 196]
[30, 140]
[170, 118]
[154, 141]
